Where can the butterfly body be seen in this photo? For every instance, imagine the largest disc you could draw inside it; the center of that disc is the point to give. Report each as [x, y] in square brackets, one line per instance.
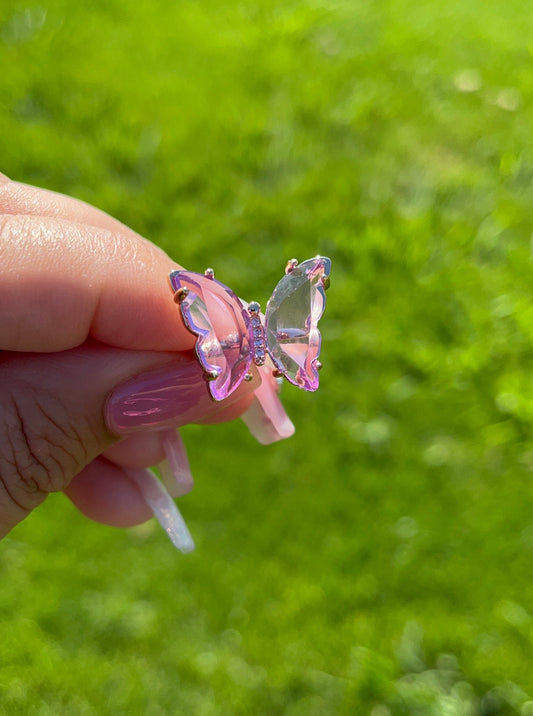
[289, 334]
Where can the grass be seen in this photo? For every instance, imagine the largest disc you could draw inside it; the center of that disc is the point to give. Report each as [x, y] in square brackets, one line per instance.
[379, 562]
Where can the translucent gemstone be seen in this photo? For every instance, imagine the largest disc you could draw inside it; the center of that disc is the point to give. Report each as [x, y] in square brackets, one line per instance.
[292, 316]
[226, 350]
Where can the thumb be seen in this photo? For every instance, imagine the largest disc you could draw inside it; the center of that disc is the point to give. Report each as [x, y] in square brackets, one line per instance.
[53, 413]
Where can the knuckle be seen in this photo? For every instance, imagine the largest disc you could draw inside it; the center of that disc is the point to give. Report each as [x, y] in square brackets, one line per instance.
[38, 455]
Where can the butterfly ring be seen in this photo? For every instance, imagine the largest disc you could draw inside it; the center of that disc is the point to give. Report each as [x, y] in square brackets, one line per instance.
[288, 334]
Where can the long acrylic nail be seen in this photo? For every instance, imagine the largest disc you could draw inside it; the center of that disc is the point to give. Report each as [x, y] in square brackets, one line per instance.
[171, 396]
[266, 418]
[164, 509]
[175, 470]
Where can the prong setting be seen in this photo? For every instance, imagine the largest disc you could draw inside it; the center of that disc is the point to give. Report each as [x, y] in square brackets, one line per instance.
[248, 377]
[181, 294]
[291, 265]
[318, 365]
[212, 374]
[209, 273]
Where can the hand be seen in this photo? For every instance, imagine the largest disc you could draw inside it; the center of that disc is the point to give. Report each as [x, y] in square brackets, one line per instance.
[85, 314]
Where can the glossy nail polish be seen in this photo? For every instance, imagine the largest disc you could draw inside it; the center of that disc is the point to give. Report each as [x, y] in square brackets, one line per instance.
[171, 396]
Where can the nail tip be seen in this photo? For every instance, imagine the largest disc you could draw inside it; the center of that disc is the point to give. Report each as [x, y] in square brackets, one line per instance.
[266, 431]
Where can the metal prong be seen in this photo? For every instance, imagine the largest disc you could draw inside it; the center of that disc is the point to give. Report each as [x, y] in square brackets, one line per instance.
[180, 294]
[209, 273]
[325, 282]
[318, 365]
[248, 377]
[254, 307]
[277, 373]
[212, 374]
[291, 265]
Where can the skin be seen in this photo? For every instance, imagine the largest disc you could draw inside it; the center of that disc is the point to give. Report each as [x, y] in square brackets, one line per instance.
[84, 306]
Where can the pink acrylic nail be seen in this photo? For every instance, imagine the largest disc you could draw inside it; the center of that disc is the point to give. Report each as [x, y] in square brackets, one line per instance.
[175, 470]
[266, 418]
[164, 508]
[171, 396]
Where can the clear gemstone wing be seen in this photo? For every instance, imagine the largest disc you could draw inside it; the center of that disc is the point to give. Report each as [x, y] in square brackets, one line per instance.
[291, 320]
[224, 354]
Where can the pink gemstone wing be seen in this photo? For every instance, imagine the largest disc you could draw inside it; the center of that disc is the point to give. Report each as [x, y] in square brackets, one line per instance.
[291, 322]
[224, 354]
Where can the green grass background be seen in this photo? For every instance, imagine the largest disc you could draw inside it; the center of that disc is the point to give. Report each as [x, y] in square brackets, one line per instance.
[380, 561]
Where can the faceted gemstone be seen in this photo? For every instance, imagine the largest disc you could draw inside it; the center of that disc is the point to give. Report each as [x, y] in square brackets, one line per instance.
[226, 351]
[292, 316]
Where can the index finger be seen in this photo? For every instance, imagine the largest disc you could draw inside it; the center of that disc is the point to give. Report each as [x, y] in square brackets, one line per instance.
[24, 199]
[62, 282]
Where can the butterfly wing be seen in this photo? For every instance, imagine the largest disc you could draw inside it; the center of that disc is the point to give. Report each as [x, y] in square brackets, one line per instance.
[291, 321]
[224, 353]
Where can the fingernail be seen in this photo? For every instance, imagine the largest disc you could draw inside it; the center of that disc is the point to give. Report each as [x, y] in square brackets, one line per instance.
[266, 418]
[175, 469]
[164, 508]
[171, 396]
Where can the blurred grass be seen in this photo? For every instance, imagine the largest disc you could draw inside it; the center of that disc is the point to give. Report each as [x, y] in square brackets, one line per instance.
[380, 561]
